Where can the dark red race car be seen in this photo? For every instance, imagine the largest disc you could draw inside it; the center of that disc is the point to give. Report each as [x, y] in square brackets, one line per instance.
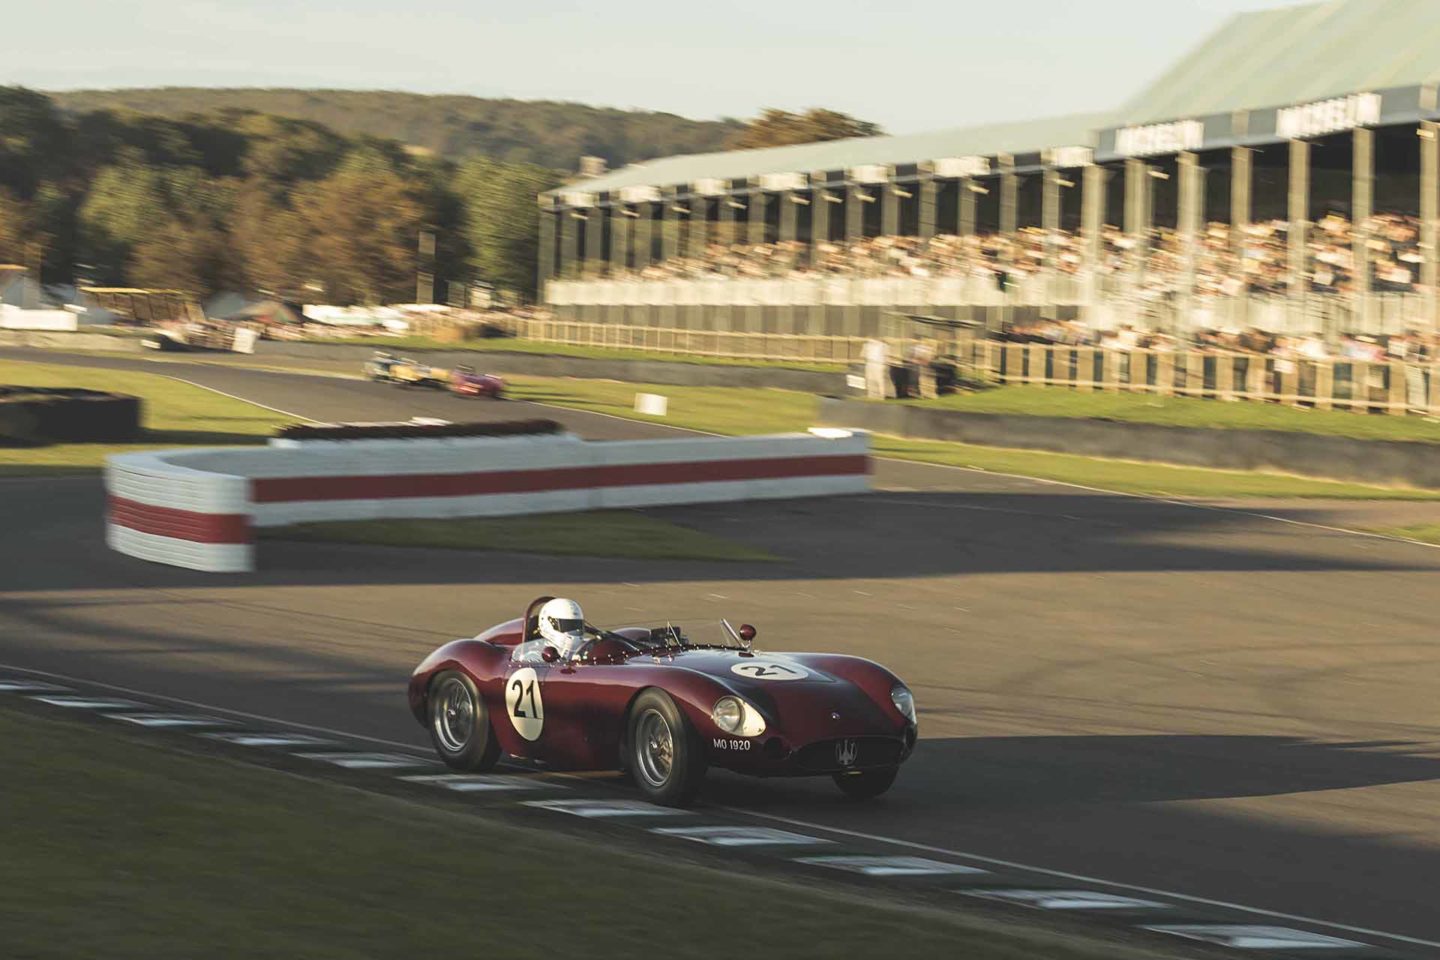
[465, 382]
[664, 707]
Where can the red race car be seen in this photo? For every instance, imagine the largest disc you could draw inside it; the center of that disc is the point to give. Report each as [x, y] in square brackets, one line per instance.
[661, 705]
[465, 382]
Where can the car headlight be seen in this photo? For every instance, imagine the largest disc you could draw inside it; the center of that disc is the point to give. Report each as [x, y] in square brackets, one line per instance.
[734, 715]
[904, 701]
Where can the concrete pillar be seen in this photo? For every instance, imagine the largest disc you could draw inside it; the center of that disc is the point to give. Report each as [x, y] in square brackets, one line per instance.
[644, 241]
[724, 315]
[1189, 218]
[854, 231]
[789, 210]
[1299, 219]
[929, 191]
[1050, 223]
[854, 213]
[965, 216]
[1009, 211]
[1362, 207]
[594, 265]
[1050, 214]
[1093, 221]
[889, 206]
[1137, 190]
[1430, 217]
[570, 226]
[619, 238]
[725, 219]
[755, 215]
[819, 218]
[788, 213]
[666, 224]
[1242, 180]
[1009, 194]
[700, 232]
[545, 261]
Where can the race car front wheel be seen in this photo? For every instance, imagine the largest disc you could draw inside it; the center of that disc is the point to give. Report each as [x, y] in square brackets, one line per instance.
[664, 753]
[866, 784]
[460, 724]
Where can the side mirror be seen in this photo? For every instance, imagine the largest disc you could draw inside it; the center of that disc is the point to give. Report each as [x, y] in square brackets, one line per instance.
[747, 632]
[550, 655]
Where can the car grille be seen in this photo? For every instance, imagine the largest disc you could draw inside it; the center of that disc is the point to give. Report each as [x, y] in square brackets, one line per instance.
[861, 752]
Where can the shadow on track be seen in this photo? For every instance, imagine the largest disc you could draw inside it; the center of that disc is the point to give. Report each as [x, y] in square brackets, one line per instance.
[59, 529]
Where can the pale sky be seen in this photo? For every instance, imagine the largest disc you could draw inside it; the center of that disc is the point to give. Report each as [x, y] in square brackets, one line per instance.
[906, 64]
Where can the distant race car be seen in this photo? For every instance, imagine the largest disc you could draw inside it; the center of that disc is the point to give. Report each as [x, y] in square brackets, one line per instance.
[664, 707]
[465, 382]
[404, 371]
[412, 373]
[379, 365]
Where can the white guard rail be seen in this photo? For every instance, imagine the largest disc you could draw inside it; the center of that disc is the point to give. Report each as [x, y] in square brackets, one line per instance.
[198, 508]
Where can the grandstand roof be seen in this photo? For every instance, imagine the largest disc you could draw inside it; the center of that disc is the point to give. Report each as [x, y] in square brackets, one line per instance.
[987, 141]
[1297, 55]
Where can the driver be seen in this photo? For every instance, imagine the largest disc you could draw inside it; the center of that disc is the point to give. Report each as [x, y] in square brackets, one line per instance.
[562, 626]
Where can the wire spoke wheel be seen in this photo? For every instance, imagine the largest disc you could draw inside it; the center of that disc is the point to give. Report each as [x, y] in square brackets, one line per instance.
[656, 748]
[453, 716]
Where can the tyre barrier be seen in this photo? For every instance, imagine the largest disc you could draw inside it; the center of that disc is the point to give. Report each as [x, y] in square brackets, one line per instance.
[198, 508]
[67, 415]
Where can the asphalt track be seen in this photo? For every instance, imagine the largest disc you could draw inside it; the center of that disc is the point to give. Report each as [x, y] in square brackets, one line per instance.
[1189, 700]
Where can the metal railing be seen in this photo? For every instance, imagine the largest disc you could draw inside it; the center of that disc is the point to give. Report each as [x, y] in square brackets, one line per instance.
[700, 343]
[1361, 386]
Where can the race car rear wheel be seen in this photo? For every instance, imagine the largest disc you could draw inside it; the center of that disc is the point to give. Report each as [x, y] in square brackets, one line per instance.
[866, 784]
[664, 753]
[460, 724]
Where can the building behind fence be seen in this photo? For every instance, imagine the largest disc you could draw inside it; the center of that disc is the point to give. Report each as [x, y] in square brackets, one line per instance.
[1300, 196]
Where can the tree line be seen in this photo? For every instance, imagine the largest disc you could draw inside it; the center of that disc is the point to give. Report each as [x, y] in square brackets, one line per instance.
[235, 199]
[543, 132]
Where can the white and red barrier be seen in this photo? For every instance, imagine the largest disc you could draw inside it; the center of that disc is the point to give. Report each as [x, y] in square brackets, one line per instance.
[197, 508]
[160, 509]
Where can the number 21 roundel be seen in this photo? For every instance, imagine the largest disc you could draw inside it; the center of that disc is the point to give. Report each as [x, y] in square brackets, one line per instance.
[523, 704]
[770, 670]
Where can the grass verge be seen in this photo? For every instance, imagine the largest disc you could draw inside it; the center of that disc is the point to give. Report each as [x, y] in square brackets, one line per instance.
[728, 410]
[1424, 532]
[121, 847]
[610, 533]
[1187, 412]
[175, 415]
[506, 345]
[1146, 479]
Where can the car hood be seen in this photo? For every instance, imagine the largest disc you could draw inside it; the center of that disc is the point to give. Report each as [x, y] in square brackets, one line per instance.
[805, 696]
[750, 669]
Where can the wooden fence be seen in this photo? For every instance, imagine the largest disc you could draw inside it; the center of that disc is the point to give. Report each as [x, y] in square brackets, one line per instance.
[703, 343]
[1364, 387]
[1395, 388]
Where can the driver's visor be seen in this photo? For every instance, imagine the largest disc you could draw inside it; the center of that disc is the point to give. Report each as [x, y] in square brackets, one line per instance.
[567, 626]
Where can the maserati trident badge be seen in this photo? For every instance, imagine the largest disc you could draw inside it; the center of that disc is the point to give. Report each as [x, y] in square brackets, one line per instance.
[845, 752]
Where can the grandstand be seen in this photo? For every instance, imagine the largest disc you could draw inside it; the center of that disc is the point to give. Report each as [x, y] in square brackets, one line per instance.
[1281, 176]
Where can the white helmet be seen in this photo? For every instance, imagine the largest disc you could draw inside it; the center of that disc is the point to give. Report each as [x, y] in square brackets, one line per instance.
[562, 625]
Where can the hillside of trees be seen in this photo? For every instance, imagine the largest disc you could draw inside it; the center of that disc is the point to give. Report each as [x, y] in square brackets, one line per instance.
[238, 200]
[234, 199]
[545, 133]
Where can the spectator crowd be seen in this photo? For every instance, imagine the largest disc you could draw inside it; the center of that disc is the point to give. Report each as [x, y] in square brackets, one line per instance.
[1256, 263]
[1411, 346]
